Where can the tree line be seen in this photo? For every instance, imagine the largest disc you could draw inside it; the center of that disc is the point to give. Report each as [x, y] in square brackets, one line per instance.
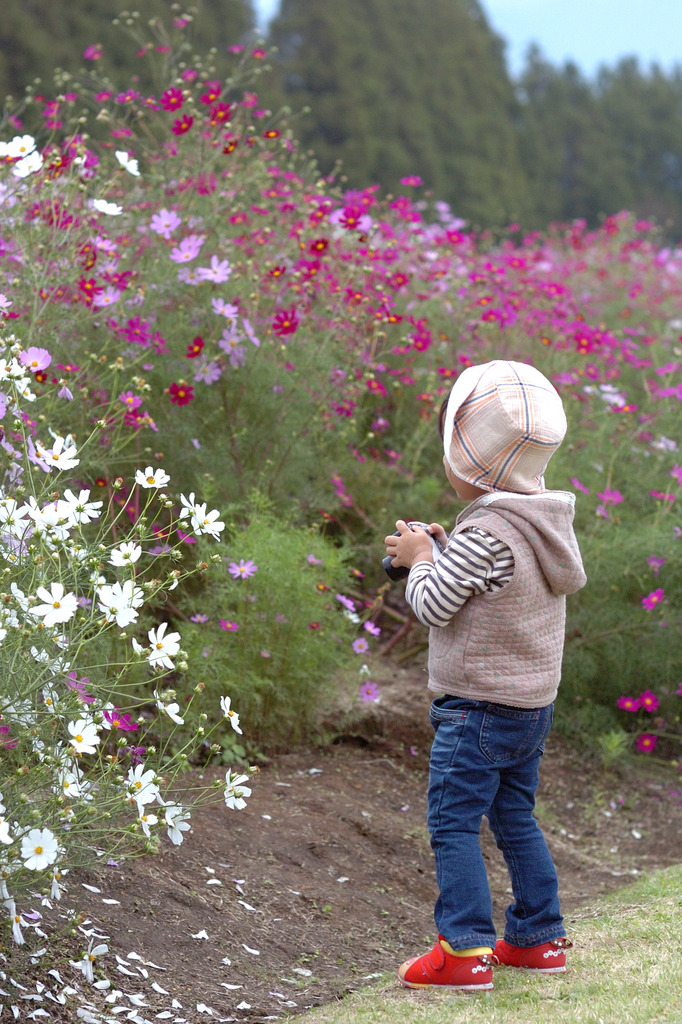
[414, 88]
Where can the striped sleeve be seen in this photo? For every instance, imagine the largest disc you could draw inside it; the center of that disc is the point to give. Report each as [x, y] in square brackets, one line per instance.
[472, 563]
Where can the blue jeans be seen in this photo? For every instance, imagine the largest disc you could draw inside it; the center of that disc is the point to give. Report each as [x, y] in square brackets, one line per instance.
[484, 761]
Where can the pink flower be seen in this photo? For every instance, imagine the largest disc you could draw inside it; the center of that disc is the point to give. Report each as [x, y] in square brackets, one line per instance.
[649, 701]
[629, 703]
[412, 179]
[371, 628]
[360, 645]
[118, 721]
[231, 627]
[655, 563]
[654, 598]
[35, 359]
[578, 486]
[646, 742]
[187, 249]
[369, 691]
[243, 570]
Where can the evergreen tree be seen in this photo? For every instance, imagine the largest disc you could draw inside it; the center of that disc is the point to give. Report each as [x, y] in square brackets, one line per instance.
[400, 87]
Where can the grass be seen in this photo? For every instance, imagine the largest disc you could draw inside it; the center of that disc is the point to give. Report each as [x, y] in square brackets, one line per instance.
[624, 969]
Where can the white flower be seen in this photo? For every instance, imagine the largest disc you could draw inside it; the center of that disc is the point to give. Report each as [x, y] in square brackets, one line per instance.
[232, 716]
[127, 162]
[13, 517]
[162, 647]
[119, 601]
[146, 821]
[16, 922]
[19, 147]
[79, 509]
[85, 964]
[84, 737]
[58, 606]
[49, 520]
[152, 477]
[189, 503]
[110, 209]
[28, 165]
[142, 785]
[5, 836]
[125, 554]
[170, 709]
[39, 849]
[176, 820]
[58, 457]
[205, 522]
[235, 791]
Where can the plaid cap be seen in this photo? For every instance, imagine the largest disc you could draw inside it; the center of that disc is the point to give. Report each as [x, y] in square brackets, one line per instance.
[504, 421]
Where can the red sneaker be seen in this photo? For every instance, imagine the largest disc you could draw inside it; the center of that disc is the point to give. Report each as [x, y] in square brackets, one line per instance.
[439, 967]
[547, 958]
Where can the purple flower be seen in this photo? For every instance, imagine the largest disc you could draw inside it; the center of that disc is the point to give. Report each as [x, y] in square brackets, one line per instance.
[242, 570]
[346, 602]
[313, 561]
[371, 628]
[198, 618]
[369, 691]
[164, 223]
[578, 486]
[655, 563]
[360, 645]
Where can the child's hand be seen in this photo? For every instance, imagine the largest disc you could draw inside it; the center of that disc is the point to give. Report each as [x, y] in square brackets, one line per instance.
[410, 546]
[439, 533]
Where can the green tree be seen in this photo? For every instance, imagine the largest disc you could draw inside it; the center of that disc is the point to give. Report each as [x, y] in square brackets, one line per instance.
[400, 87]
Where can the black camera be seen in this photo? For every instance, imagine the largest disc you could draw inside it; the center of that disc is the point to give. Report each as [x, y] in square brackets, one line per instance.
[401, 572]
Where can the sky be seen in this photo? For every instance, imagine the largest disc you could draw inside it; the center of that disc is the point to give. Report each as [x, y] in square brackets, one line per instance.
[588, 32]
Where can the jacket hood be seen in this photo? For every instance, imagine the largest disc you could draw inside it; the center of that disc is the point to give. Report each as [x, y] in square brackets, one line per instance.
[546, 522]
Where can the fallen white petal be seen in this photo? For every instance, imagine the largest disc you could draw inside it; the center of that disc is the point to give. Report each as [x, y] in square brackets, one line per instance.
[256, 952]
[247, 906]
[243, 1006]
[203, 934]
[343, 878]
[302, 970]
[90, 888]
[159, 989]
[226, 984]
[111, 903]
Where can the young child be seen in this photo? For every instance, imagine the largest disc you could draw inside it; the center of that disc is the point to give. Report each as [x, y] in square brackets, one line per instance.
[495, 603]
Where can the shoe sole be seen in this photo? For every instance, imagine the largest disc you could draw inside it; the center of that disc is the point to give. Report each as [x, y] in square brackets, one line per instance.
[459, 988]
[536, 970]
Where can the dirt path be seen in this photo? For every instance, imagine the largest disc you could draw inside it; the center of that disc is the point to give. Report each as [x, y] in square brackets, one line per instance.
[326, 878]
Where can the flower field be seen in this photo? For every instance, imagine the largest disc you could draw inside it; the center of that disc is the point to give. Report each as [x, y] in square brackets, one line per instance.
[219, 383]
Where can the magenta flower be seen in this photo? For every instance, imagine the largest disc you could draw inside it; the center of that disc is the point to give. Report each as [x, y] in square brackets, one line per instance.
[610, 497]
[629, 703]
[676, 474]
[655, 563]
[243, 570]
[662, 495]
[172, 99]
[578, 486]
[118, 721]
[231, 627]
[74, 683]
[646, 742]
[368, 691]
[649, 701]
[654, 598]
